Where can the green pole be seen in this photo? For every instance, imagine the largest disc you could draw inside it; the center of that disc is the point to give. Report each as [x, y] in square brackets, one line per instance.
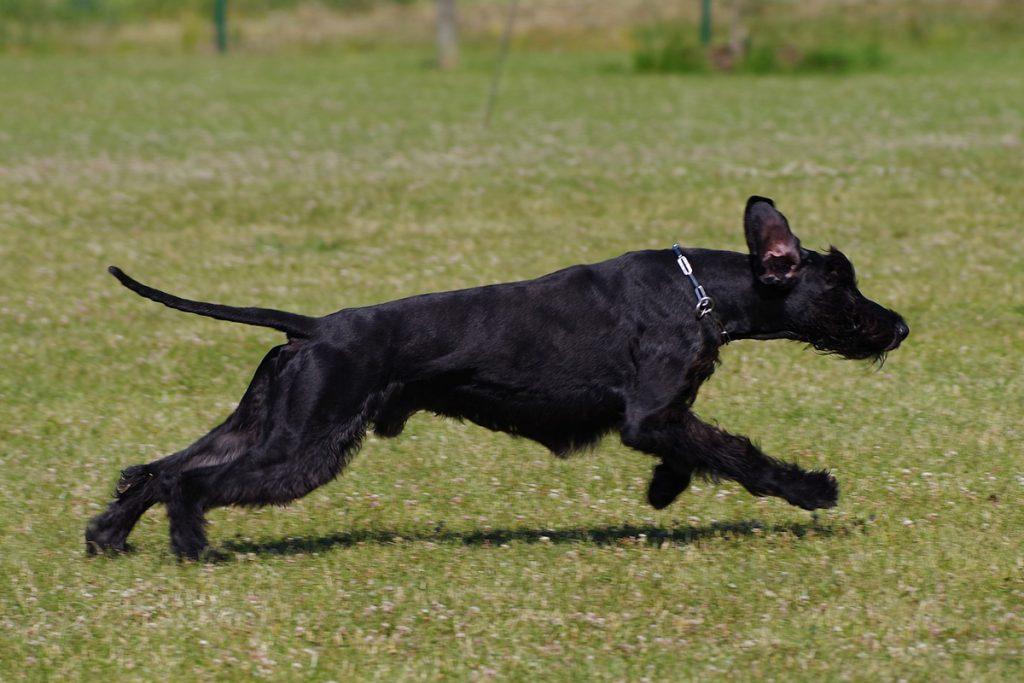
[220, 21]
[705, 22]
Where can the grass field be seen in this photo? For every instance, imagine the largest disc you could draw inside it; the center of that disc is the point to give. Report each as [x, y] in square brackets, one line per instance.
[312, 183]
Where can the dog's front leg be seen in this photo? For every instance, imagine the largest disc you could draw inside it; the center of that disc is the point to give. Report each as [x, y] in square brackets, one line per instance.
[683, 440]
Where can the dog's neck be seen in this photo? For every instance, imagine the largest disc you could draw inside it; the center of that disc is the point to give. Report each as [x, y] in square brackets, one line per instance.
[745, 308]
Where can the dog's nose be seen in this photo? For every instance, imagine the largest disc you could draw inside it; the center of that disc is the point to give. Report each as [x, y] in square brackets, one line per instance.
[899, 334]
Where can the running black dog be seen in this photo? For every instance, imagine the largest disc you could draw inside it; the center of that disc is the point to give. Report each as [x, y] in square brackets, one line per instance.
[622, 345]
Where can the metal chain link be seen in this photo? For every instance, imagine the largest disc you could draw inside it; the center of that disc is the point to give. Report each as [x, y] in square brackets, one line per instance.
[705, 304]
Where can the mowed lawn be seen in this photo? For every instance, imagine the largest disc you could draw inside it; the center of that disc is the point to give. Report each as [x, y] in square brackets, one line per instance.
[312, 183]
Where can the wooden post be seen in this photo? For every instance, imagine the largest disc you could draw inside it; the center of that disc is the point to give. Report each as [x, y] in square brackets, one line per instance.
[220, 22]
[447, 35]
[705, 22]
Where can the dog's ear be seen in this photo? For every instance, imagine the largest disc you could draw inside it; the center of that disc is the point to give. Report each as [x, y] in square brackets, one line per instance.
[774, 249]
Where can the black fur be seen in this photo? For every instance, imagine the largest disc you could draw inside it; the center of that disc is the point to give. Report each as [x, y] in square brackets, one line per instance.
[562, 360]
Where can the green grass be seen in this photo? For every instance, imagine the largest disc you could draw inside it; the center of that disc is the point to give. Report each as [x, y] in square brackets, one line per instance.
[313, 183]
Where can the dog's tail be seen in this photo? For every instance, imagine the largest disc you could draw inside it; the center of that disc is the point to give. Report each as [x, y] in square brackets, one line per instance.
[292, 324]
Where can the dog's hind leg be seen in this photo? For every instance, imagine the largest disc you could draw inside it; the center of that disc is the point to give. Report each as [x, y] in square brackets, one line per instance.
[278, 473]
[134, 494]
[141, 486]
[314, 422]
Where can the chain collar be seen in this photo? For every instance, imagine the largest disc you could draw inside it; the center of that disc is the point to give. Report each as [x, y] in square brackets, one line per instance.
[705, 304]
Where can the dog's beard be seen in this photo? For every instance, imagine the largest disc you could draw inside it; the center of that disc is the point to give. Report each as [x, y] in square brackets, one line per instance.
[851, 341]
[871, 356]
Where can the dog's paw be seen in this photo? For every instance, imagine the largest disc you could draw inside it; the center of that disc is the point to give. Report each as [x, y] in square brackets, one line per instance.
[113, 550]
[665, 486]
[200, 553]
[100, 540]
[814, 490]
[188, 553]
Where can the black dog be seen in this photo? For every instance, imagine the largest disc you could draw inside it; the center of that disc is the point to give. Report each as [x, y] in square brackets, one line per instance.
[563, 360]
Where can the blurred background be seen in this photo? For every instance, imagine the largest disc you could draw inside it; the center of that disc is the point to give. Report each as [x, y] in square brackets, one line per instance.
[658, 35]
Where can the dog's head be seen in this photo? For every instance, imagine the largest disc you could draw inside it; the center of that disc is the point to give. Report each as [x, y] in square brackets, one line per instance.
[818, 293]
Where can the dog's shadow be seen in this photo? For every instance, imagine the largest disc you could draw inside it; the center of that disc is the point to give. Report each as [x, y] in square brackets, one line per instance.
[599, 536]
